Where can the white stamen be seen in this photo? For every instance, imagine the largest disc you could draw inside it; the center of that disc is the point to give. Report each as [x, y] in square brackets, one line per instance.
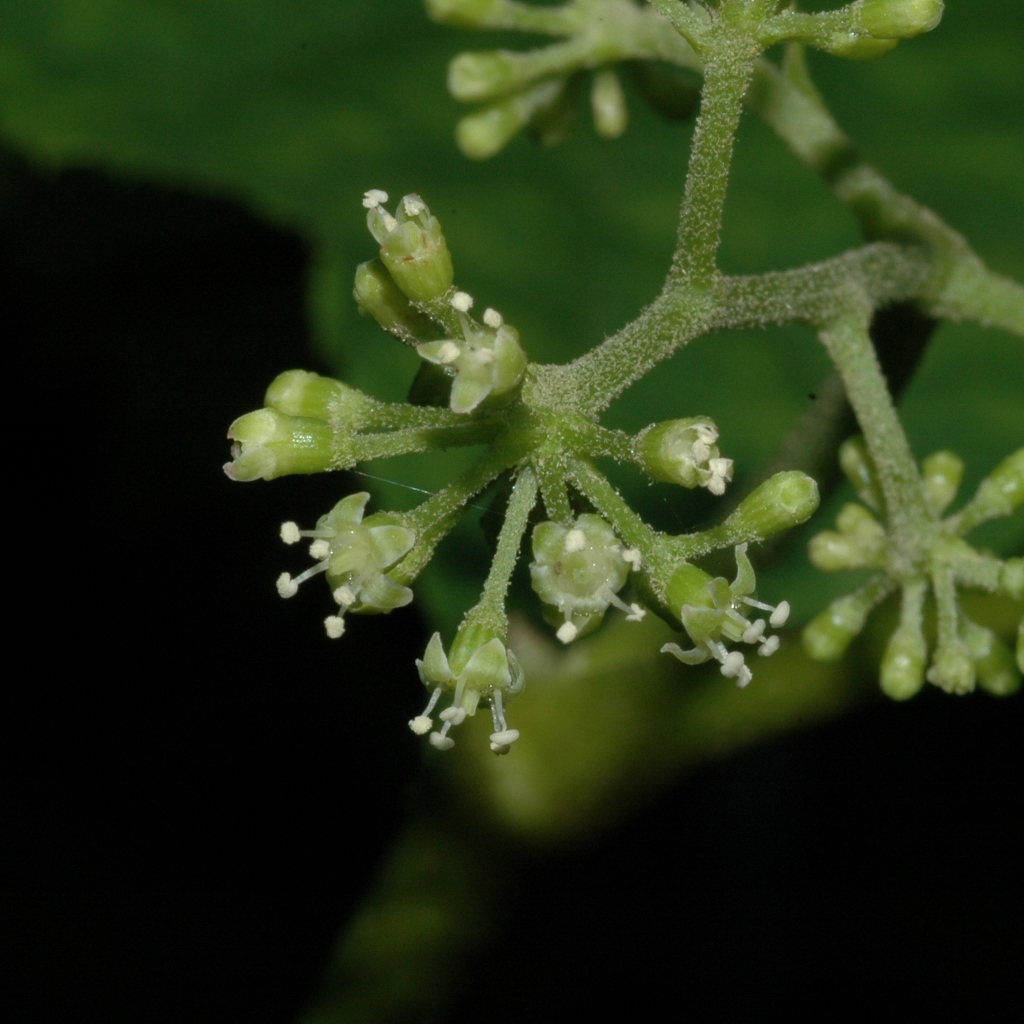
[374, 198]
[575, 540]
[567, 632]
[462, 301]
[319, 549]
[632, 555]
[414, 206]
[432, 703]
[335, 626]
[453, 716]
[721, 474]
[493, 318]
[769, 647]
[780, 615]
[636, 613]
[442, 742]
[448, 353]
[717, 650]
[505, 737]
[733, 664]
[744, 677]
[286, 586]
[754, 632]
[420, 725]
[344, 596]
[290, 533]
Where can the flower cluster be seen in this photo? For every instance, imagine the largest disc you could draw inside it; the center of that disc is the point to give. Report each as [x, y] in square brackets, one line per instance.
[964, 653]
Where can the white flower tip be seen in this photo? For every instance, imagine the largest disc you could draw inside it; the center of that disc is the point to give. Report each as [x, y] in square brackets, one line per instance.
[632, 555]
[769, 647]
[420, 725]
[567, 632]
[504, 738]
[441, 742]
[493, 318]
[462, 301]
[780, 615]
[286, 586]
[374, 197]
[319, 550]
[335, 626]
[636, 613]
[290, 533]
[344, 596]
[575, 540]
[414, 206]
[754, 632]
[454, 715]
[448, 353]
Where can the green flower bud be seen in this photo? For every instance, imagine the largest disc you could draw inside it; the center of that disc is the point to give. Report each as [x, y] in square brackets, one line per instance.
[941, 474]
[854, 46]
[487, 362]
[904, 662]
[684, 452]
[482, 134]
[952, 668]
[780, 503]
[268, 444]
[1011, 578]
[301, 393]
[354, 553]
[483, 76]
[899, 19]
[1002, 491]
[827, 636]
[715, 613]
[577, 572]
[608, 104]
[993, 661]
[859, 542]
[412, 247]
[480, 668]
[856, 463]
[378, 296]
[467, 13]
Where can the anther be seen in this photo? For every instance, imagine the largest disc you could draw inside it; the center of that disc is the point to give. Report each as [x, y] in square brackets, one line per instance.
[769, 647]
[335, 626]
[421, 725]
[493, 318]
[344, 596]
[374, 198]
[440, 741]
[414, 206]
[290, 533]
[632, 555]
[286, 586]
[575, 540]
[754, 632]
[780, 615]
[462, 301]
[448, 353]
[453, 716]
[636, 613]
[567, 632]
[319, 550]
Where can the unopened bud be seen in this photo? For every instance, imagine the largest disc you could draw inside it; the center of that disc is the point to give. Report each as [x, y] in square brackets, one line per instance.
[482, 134]
[1002, 491]
[827, 636]
[993, 661]
[903, 664]
[941, 474]
[952, 668]
[482, 76]
[269, 444]
[608, 104]
[859, 468]
[378, 296]
[899, 19]
[684, 452]
[859, 542]
[301, 393]
[780, 503]
[413, 248]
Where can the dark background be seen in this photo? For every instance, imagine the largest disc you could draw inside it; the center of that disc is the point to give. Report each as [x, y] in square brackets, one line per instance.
[203, 786]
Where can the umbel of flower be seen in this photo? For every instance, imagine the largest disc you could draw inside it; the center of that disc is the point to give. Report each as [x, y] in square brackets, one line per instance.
[577, 571]
[354, 553]
[716, 613]
[487, 362]
[684, 452]
[412, 246]
[480, 668]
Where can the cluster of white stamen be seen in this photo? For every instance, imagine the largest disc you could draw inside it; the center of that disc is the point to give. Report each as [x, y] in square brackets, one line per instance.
[493, 318]
[374, 197]
[462, 301]
[632, 555]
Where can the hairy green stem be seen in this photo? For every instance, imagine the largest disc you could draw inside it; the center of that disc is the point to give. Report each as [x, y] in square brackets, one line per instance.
[628, 525]
[517, 516]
